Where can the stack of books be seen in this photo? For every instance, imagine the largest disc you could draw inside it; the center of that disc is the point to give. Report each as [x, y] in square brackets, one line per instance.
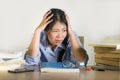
[10, 60]
[107, 55]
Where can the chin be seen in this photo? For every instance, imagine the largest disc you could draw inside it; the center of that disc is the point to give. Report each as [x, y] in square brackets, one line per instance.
[58, 44]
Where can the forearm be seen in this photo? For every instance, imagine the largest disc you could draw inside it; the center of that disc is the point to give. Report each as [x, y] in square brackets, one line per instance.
[33, 49]
[77, 51]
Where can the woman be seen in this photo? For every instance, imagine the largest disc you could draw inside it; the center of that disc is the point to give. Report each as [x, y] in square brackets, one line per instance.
[54, 41]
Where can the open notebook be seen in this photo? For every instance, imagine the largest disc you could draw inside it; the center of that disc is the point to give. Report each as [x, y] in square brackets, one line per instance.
[56, 67]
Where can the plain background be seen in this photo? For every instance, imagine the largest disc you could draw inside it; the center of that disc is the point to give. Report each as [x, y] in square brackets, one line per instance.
[93, 19]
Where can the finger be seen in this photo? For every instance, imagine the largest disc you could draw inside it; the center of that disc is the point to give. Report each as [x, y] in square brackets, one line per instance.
[49, 17]
[49, 21]
[66, 16]
[46, 15]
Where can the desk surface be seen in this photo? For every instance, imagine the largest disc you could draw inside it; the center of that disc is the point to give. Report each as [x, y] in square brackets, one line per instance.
[83, 75]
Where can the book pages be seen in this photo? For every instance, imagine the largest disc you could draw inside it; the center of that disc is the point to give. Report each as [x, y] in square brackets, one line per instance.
[61, 70]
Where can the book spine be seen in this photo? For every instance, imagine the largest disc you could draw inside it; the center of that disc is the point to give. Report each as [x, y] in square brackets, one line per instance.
[103, 49]
[107, 55]
[108, 62]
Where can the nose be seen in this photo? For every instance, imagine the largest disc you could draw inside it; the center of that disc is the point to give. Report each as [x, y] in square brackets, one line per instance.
[60, 35]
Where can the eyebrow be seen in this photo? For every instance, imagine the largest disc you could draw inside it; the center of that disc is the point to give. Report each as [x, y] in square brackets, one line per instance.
[58, 29]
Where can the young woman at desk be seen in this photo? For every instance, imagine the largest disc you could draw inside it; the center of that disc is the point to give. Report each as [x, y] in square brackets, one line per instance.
[54, 41]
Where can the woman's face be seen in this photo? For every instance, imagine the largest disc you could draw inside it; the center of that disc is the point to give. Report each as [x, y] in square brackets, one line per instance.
[57, 34]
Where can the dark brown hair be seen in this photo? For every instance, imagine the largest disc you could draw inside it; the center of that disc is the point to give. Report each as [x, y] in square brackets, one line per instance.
[58, 15]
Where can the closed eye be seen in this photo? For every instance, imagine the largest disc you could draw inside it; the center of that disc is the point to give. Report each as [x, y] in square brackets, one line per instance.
[55, 30]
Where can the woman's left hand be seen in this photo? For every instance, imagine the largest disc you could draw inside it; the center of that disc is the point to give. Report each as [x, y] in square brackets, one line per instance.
[69, 25]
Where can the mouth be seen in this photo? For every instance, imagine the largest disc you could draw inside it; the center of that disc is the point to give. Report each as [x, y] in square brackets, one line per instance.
[58, 41]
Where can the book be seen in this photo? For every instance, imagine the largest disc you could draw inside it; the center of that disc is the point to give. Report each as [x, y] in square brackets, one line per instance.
[106, 44]
[107, 55]
[10, 65]
[103, 49]
[109, 59]
[57, 67]
[112, 62]
[106, 67]
[10, 55]
[10, 60]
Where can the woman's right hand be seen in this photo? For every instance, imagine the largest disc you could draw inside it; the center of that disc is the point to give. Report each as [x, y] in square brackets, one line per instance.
[45, 21]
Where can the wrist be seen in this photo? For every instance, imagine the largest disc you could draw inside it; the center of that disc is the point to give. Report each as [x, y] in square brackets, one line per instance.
[38, 30]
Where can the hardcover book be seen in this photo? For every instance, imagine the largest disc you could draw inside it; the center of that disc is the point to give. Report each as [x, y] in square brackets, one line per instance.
[57, 67]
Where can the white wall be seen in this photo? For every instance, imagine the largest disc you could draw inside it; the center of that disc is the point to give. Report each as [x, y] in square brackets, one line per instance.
[93, 19]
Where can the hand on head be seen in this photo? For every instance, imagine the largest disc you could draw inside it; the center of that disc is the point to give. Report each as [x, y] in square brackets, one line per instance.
[45, 21]
[69, 25]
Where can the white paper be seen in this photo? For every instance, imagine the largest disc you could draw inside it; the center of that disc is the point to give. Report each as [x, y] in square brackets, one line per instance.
[61, 70]
[8, 55]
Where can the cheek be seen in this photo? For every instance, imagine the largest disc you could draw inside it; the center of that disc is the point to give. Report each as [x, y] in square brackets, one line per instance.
[52, 36]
